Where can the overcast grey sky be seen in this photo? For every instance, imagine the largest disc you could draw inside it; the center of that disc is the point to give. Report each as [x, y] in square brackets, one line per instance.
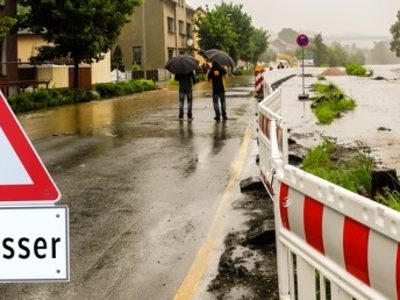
[329, 17]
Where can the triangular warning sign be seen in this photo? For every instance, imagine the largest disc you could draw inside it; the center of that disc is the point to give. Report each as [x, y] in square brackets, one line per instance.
[23, 177]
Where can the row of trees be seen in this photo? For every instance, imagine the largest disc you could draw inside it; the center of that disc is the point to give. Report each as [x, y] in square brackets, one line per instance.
[227, 27]
[335, 54]
[338, 55]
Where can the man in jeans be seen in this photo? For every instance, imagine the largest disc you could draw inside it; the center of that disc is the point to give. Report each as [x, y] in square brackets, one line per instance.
[186, 81]
[216, 75]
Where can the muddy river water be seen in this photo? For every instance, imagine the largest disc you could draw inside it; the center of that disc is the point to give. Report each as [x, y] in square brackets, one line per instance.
[375, 122]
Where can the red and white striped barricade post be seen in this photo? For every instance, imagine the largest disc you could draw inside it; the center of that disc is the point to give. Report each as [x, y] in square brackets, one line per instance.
[259, 83]
[330, 242]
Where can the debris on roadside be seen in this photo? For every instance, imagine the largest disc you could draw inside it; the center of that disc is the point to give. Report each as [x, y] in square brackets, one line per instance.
[333, 72]
[247, 268]
[251, 184]
[262, 234]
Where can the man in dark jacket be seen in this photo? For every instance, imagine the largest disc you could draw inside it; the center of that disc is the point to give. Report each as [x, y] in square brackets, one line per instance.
[216, 75]
[186, 82]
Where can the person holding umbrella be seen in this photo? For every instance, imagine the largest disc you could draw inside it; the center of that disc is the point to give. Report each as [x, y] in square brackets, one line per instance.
[183, 67]
[216, 76]
[186, 82]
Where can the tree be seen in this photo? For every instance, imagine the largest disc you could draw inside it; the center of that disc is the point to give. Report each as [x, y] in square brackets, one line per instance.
[268, 56]
[81, 30]
[288, 35]
[215, 30]
[395, 30]
[337, 55]
[320, 50]
[357, 56]
[243, 28]
[381, 54]
[258, 45]
[228, 28]
[6, 23]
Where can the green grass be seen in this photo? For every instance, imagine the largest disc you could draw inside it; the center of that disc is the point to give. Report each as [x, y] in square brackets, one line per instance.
[349, 169]
[389, 198]
[329, 102]
[326, 161]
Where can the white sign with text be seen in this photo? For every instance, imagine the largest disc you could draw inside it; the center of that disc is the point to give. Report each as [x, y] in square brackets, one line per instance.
[34, 243]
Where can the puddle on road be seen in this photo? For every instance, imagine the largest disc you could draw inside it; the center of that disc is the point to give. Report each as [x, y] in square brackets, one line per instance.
[97, 117]
[106, 116]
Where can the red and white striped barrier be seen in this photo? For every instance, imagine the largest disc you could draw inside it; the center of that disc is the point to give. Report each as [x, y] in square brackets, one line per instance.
[259, 82]
[358, 236]
[323, 230]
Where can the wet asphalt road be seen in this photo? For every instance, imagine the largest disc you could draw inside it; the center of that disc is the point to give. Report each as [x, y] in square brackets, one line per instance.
[141, 186]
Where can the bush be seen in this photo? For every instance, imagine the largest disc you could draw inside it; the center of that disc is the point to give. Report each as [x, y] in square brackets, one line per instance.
[42, 98]
[357, 70]
[107, 90]
[329, 102]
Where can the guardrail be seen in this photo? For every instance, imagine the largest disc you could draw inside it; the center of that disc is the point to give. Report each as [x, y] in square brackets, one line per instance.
[331, 243]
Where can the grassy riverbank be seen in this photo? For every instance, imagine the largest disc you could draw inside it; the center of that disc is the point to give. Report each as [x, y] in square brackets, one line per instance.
[349, 168]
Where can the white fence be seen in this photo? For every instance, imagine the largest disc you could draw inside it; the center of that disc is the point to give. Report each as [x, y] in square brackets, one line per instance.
[331, 243]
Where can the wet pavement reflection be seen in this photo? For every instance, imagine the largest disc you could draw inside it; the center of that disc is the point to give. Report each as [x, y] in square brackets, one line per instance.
[112, 116]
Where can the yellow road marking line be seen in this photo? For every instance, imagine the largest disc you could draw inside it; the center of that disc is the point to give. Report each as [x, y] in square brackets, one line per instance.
[200, 263]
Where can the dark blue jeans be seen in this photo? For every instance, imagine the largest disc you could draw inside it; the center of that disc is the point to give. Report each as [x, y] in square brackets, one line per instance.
[189, 97]
[219, 106]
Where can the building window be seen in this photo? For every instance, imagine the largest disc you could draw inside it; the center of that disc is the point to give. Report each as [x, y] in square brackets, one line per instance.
[189, 29]
[182, 52]
[171, 27]
[181, 27]
[137, 56]
[170, 53]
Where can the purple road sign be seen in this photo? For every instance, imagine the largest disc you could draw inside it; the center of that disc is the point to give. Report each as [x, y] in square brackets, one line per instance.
[302, 40]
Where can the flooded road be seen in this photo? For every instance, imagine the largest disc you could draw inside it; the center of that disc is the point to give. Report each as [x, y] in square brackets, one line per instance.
[141, 186]
[375, 121]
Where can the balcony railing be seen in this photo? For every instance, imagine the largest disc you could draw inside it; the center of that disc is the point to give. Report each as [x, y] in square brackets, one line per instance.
[23, 75]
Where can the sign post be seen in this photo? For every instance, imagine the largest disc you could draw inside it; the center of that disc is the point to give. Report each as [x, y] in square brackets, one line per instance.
[34, 232]
[302, 41]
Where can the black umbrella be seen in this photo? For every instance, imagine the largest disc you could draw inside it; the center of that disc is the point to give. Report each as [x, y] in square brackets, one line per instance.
[219, 56]
[182, 64]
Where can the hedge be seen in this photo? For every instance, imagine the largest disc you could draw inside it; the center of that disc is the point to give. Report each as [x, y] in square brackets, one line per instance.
[42, 98]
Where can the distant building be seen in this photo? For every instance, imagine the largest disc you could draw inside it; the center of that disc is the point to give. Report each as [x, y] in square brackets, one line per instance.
[158, 30]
